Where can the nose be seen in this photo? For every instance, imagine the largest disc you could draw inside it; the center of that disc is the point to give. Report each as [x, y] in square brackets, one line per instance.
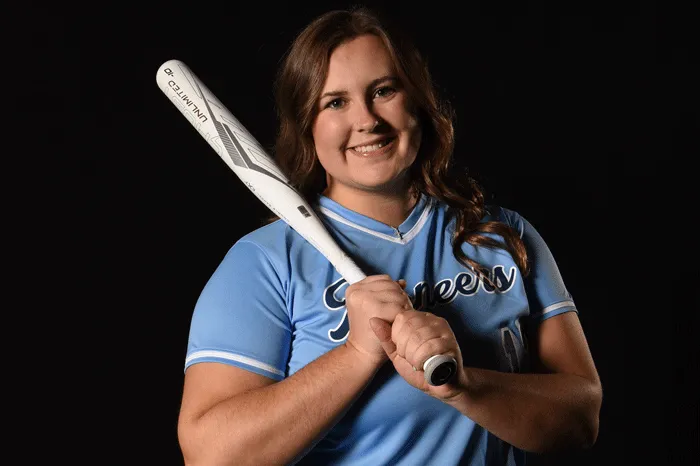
[366, 120]
[369, 126]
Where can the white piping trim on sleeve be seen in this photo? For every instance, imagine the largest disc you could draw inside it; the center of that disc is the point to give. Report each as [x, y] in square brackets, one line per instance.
[554, 307]
[233, 357]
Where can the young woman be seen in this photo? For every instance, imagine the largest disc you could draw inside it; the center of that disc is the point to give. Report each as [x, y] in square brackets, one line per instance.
[286, 363]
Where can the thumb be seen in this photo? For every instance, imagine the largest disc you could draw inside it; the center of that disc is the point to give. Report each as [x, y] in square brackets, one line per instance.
[382, 329]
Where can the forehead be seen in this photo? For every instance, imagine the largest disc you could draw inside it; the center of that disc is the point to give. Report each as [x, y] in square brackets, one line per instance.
[362, 59]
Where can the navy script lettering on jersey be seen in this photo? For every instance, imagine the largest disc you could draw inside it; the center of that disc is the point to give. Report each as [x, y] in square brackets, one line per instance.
[426, 296]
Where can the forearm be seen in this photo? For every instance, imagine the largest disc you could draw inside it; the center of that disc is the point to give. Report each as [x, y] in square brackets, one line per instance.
[534, 412]
[274, 424]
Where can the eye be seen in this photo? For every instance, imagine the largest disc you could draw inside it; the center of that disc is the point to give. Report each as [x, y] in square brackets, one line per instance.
[335, 104]
[385, 91]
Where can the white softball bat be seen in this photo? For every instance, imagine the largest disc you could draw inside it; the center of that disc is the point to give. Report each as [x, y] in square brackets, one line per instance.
[260, 173]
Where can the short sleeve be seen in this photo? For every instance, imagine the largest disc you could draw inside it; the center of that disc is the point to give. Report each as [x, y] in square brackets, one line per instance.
[547, 295]
[241, 316]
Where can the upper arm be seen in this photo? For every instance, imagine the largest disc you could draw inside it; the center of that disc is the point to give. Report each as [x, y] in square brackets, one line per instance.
[209, 383]
[559, 345]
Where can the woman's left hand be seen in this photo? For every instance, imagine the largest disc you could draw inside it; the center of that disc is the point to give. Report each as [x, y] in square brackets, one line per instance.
[412, 339]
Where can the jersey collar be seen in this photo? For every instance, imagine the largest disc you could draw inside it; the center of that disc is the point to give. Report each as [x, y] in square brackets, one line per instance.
[404, 233]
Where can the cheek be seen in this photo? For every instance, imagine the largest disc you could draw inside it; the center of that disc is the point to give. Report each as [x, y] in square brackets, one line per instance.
[406, 119]
[328, 139]
[414, 129]
[412, 123]
[327, 135]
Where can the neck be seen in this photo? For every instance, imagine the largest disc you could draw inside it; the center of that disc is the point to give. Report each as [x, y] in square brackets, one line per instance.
[389, 208]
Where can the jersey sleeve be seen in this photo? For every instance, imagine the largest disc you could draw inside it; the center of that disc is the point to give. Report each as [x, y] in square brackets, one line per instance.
[547, 295]
[241, 317]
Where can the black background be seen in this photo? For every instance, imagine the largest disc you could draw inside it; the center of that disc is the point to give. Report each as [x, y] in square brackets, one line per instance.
[581, 118]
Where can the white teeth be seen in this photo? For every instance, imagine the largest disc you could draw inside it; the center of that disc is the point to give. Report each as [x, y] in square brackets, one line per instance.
[373, 147]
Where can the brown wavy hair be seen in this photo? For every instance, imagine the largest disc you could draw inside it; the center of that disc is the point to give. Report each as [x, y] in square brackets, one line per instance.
[298, 87]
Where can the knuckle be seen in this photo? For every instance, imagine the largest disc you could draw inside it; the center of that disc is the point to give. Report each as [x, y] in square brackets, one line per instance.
[436, 321]
[353, 298]
[415, 320]
[416, 338]
[428, 349]
[350, 296]
[395, 310]
[400, 319]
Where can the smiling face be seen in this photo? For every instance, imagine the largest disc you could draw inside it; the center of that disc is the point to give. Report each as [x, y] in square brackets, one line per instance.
[359, 154]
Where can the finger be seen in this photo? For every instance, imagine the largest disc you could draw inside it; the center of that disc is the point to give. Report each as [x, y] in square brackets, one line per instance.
[362, 284]
[385, 311]
[393, 296]
[374, 278]
[429, 348]
[380, 304]
[404, 325]
[375, 287]
[354, 297]
[379, 285]
[382, 330]
[387, 291]
[417, 338]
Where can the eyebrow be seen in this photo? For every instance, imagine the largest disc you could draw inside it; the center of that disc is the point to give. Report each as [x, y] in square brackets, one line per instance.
[373, 83]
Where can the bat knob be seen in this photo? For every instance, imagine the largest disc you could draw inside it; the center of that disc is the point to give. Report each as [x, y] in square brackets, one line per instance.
[439, 369]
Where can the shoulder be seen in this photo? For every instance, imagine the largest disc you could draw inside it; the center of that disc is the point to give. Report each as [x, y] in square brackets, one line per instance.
[274, 239]
[265, 247]
[505, 215]
[267, 235]
[492, 213]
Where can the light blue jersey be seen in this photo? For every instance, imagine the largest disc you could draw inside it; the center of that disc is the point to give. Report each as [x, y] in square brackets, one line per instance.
[275, 304]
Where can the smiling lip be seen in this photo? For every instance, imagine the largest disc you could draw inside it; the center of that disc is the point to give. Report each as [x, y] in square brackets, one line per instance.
[389, 143]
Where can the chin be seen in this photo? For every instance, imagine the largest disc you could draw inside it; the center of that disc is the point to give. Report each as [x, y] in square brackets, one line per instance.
[380, 184]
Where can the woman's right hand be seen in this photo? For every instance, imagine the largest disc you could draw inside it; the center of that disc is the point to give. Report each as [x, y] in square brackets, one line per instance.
[374, 296]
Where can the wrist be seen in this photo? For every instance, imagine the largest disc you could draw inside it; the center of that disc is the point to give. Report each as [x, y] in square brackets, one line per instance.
[463, 391]
[372, 361]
